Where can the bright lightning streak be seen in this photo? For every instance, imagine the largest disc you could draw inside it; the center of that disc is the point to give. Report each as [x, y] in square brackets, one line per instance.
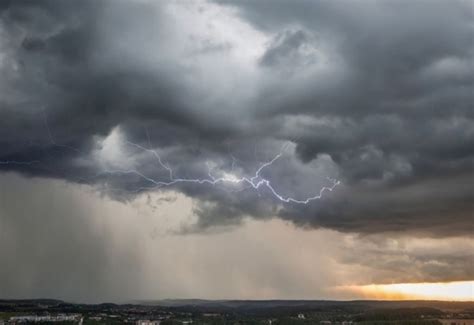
[256, 181]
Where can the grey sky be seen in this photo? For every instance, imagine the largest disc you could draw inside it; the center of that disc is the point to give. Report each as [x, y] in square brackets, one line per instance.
[376, 94]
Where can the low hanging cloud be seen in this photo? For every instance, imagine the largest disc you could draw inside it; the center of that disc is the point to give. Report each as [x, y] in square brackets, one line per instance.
[377, 95]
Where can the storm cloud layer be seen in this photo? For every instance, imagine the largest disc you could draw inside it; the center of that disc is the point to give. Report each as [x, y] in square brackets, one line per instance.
[378, 95]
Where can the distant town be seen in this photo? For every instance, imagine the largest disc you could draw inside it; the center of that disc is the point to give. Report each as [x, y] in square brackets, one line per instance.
[235, 312]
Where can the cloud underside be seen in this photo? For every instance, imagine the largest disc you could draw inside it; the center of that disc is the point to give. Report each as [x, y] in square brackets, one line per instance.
[377, 95]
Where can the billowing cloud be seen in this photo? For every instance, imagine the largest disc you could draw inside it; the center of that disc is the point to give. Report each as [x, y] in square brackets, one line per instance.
[378, 95]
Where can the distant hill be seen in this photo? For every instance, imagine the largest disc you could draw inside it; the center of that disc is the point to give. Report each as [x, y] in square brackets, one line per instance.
[313, 304]
[18, 302]
[257, 305]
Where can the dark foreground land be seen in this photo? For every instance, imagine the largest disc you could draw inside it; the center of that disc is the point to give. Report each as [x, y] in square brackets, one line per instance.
[274, 312]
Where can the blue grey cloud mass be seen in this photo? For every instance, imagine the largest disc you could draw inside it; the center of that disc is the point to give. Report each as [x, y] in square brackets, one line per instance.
[377, 94]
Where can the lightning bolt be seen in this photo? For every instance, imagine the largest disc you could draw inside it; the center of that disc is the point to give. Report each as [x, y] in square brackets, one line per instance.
[256, 181]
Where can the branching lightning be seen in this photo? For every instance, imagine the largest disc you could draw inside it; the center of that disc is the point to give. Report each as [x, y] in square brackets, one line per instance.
[257, 181]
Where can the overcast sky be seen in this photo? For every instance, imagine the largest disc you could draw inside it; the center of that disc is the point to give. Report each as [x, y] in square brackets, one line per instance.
[99, 100]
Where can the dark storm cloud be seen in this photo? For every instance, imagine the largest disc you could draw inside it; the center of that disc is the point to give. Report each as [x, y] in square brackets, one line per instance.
[379, 94]
[395, 113]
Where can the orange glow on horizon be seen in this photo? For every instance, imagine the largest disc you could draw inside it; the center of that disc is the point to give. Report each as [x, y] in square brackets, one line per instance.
[451, 291]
